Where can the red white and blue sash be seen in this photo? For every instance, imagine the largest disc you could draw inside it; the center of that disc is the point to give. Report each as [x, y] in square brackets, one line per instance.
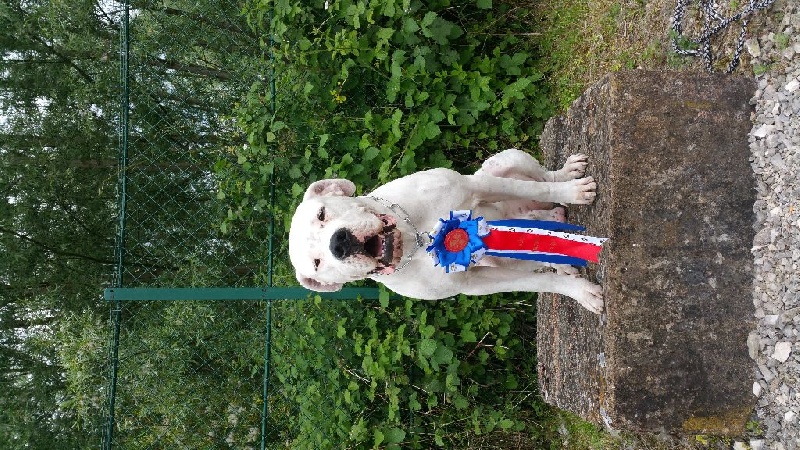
[461, 240]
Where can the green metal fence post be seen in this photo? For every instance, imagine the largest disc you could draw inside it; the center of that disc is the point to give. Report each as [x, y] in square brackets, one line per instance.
[116, 311]
[268, 325]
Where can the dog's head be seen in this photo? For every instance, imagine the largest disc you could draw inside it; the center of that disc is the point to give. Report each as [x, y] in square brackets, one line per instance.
[335, 238]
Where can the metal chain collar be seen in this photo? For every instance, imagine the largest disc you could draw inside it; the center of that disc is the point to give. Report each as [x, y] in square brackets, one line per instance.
[421, 238]
[713, 23]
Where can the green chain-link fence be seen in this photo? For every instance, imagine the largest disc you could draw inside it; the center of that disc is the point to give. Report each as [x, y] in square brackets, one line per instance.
[189, 363]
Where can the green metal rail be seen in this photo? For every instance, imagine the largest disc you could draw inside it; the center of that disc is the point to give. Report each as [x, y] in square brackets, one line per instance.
[225, 294]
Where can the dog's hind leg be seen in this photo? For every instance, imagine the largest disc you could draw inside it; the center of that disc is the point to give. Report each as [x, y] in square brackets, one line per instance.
[557, 214]
[490, 280]
[516, 164]
[526, 267]
[513, 163]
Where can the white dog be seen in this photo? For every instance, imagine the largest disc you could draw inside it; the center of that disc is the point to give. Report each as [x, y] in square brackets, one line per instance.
[335, 238]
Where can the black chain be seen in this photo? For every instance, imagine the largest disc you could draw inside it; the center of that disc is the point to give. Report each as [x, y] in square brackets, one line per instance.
[713, 23]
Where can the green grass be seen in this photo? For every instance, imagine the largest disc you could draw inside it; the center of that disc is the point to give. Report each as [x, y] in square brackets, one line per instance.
[581, 41]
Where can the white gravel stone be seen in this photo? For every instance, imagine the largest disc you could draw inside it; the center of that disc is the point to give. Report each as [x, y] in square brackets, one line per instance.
[775, 158]
[766, 373]
[770, 320]
[753, 47]
[763, 131]
[782, 351]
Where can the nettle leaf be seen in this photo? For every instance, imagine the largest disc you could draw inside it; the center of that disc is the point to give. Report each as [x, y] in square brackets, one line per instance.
[427, 347]
[442, 31]
[504, 329]
[383, 296]
[513, 64]
[410, 25]
[431, 130]
[409, 99]
[347, 159]
[460, 401]
[392, 89]
[484, 4]
[413, 402]
[515, 91]
[278, 125]
[354, 12]
[506, 424]
[398, 59]
[442, 355]
[468, 335]
[511, 381]
[340, 330]
[427, 21]
[439, 437]
[378, 437]
[359, 430]
[394, 436]
[388, 9]
[384, 34]
[371, 153]
[393, 85]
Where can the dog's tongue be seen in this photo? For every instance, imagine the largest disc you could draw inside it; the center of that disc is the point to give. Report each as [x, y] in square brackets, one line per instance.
[386, 270]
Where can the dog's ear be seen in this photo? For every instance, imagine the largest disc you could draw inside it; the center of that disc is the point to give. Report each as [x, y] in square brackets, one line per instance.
[335, 186]
[318, 286]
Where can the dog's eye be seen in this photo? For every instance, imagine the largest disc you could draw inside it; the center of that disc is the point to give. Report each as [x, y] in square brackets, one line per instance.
[316, 264]
[321, 214]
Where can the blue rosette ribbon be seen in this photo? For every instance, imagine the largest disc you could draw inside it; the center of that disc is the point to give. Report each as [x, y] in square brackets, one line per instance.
[457, 242]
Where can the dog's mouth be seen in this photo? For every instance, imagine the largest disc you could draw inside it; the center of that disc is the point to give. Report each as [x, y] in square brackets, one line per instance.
[386, 246]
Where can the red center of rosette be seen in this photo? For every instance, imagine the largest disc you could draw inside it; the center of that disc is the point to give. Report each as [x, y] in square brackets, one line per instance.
[456, 240]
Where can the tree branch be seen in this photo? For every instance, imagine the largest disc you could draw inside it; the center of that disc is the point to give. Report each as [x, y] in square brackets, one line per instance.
[54, 250]
[193, 69]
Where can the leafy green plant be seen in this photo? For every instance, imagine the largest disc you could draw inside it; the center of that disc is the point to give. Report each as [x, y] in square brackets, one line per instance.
[372, 91]
[760, 69]
[404, 374]
[782, 40]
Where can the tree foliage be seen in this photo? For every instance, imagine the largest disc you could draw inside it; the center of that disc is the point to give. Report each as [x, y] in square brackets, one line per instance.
[56, 236]
[59, 121]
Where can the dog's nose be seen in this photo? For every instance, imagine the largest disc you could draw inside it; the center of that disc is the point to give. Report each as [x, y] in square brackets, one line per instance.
[343, 243]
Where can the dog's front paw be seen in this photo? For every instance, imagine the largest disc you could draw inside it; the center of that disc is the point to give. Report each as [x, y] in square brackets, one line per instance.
[591, 297]
[563, 269]
[574, 168]
[557, 214]
[581, 191]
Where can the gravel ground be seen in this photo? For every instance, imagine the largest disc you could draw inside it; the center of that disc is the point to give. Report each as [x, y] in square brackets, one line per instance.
[775, 146]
